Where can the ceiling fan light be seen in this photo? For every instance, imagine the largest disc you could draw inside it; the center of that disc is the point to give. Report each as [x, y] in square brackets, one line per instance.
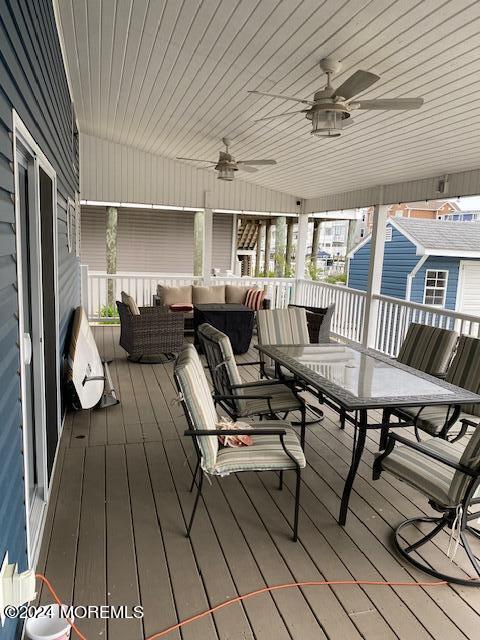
[226, 173]
[327, 124]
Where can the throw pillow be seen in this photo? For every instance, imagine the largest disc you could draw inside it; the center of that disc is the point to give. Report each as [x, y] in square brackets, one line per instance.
[254, 298]
[130, 303]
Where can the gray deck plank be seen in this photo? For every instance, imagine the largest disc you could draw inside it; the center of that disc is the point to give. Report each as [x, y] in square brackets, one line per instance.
[90, 573]
[240, 540]
[122, 578]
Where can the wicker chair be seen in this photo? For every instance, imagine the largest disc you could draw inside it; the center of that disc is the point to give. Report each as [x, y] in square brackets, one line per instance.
[154, 336]
[319, 320]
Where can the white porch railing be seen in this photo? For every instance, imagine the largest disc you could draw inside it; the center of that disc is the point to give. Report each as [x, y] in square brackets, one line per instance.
[349, 305]
[142, 287]
[392, 319]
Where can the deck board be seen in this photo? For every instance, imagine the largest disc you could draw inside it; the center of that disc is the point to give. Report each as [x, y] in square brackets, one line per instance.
[115, 531]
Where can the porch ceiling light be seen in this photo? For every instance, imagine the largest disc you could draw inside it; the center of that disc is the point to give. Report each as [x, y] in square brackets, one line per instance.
[327, 124]
[225, 172]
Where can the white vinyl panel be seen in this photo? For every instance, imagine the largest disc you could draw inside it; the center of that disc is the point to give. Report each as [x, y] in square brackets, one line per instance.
[151, 30]
[169, 19]
[109, 12]
[120, 36]
[70, 40]
[80, 26]
[94, 16]
[134, 37]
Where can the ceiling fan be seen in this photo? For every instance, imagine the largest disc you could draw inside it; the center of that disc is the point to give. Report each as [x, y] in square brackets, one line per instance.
[330, 108]
[226, 165]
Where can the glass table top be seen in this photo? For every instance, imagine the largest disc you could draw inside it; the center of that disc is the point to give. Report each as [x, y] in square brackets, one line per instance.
[361, 377]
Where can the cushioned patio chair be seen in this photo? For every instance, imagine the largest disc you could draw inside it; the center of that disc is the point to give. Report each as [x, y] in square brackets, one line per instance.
[448, 475]
[283, 326]
[275, 444]
[263, 398]
[428, 349]
[319, 320]
[153, 335]
[444, 421]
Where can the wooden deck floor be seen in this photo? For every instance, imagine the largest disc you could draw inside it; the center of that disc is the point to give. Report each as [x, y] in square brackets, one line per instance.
[115, 532]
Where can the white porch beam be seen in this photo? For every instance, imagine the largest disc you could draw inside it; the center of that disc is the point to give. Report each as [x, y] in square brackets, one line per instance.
[377, 247]
[203, 231]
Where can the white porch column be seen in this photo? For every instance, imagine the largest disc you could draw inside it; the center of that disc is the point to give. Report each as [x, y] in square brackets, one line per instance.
[202, 231]
[301, 249]
[377, 246]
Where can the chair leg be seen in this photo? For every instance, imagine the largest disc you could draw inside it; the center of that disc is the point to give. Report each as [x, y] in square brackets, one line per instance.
[195, 475]
[197, 497]
[342, 418]
[280, 480]
[297, 505]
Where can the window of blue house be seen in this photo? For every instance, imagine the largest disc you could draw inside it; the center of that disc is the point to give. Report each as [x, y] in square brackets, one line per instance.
[435, 287]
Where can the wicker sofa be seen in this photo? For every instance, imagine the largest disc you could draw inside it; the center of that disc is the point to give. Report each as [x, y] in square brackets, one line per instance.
[193, 294]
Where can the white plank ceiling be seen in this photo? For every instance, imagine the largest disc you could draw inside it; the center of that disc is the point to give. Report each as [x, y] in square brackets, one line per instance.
[171, 77]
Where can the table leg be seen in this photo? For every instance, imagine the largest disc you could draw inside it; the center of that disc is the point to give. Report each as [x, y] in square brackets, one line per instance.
[386, 417]
[356, 456]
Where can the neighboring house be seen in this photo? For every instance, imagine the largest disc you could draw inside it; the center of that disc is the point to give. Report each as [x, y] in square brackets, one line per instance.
[426, 210]
[426, 261]
[461, 216]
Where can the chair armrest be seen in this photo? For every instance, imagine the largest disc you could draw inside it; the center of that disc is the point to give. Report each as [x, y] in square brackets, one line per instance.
[470, 423]
[249, 397]
[418, 446]
[237, 432]
[257, 383]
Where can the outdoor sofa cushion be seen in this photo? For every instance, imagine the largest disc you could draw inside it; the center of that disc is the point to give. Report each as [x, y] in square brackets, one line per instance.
[235, 294]
[175, 295]
[208, 295]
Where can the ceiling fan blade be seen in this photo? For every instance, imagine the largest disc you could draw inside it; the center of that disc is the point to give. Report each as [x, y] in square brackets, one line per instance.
[357, 82]
[247, 168]
[196, 160]
[393, 103]
[277, 95]
[280, 115]
[256, 162]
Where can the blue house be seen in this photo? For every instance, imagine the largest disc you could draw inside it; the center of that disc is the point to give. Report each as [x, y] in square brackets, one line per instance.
[432, 262]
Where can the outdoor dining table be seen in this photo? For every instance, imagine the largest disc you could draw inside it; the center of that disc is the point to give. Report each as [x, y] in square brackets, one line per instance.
[355, 379]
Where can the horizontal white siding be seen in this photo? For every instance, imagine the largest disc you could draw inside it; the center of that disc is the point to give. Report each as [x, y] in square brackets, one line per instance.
[155, 241]
[118, 173]
[222, 241]
[464, 183]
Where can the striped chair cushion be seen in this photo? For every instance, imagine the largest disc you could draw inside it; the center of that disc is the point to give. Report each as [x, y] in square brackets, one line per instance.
[193, 383]
[254, 299]
[432, 478]
[428, 349]
[281, 326]
[470, 458]
[432, 419]
[282, 399]
[465, 369]
[222, 364]
[265, 454]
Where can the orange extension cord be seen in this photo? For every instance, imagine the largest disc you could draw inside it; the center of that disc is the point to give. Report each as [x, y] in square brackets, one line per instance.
[277, 587]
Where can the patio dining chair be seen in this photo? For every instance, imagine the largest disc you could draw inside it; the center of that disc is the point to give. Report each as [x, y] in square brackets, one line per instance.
[448, 475]
[275, 444]
[282, 327]
[444, 421]
[263, 398]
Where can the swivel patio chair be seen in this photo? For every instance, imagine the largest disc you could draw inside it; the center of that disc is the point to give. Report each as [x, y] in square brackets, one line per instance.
[283, 327]
[152, 336]
[263, 398]
[275, 445]
[449, 476]
[444, 421]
